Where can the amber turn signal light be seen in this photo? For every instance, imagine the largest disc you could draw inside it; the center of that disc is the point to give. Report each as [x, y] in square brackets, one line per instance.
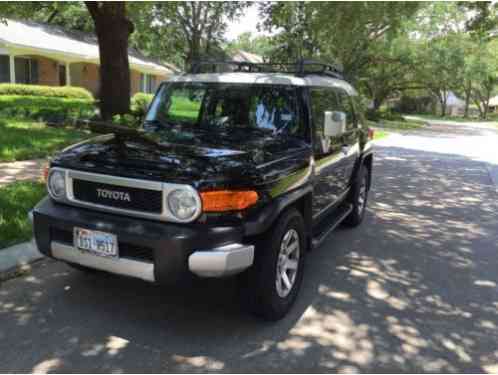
[371, 133]
[45, 173]
[227, 200]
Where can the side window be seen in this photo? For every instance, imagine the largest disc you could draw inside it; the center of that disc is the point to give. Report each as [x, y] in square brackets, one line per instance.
[322, 100]
[346, 106]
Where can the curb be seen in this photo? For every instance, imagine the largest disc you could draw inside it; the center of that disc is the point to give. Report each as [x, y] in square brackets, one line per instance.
[18, 258]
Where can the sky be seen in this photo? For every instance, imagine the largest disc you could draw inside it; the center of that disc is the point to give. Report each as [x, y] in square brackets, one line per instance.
[247, 22]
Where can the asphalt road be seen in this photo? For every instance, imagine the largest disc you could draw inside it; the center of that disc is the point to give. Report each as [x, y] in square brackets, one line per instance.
[414, 289]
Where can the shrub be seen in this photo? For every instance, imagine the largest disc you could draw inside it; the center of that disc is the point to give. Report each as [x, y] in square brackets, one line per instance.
[126, 120]
[383, 114]
[139, 104]
[48, 109]
[45, 91]
[420, 104]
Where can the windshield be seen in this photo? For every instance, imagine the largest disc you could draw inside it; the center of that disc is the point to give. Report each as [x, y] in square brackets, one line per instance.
[264, 110]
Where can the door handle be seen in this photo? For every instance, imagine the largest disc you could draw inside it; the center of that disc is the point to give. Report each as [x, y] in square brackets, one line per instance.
[345, 149]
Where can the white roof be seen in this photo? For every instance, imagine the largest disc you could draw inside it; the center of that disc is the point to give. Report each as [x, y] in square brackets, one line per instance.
[244, 56]
[265, 79]
[493, 102]
[30, 37]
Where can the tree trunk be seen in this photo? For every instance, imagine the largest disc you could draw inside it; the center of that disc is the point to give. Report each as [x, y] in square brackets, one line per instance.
[113, 30]
[468, 91]
[442, 101]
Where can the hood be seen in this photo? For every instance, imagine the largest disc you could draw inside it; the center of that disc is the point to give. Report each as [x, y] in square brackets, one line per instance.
[151, 157]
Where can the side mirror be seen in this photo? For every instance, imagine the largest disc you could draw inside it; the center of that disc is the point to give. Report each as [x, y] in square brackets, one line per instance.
[334, 123]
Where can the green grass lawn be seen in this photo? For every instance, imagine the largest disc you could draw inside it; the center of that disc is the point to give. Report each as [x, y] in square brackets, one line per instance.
[491, 117]
[379, 134]
[399, 125]
[25, 139]
[184, 109]
[396, 125]
[16, 200]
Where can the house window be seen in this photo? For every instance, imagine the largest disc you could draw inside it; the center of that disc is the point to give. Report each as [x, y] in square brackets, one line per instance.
[26, 70]
[147, 83]
[4, 69]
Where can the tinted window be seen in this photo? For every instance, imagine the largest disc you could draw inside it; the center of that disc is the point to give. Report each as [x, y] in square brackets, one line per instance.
[346, 106]
[265, 107]
[322, 100]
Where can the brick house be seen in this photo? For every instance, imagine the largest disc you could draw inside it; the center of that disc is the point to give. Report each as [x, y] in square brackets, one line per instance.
[36, 53]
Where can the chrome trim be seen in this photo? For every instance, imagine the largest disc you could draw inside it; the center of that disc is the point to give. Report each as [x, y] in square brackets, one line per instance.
[222, 261]
[166, 188]
[121, 266]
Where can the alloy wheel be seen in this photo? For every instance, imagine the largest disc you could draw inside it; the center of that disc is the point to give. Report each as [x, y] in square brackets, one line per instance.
[287, 263]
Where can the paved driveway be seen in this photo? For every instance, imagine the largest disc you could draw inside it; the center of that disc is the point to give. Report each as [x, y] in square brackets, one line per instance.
[413, 289]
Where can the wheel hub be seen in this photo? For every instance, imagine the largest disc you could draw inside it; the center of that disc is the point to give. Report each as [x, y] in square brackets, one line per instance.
[287, 263]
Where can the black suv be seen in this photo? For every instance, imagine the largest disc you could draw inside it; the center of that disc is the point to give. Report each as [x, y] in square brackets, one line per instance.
[240, 172]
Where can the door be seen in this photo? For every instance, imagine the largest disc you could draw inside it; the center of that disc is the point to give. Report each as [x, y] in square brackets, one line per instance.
[328, 154]
[350, 139]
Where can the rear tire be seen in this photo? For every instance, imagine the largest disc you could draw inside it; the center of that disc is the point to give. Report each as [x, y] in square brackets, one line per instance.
[358, 198]
[270, 287]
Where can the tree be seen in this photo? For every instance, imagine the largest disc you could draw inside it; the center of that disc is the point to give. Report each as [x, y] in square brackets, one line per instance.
[438, 63]
[195, 29]
[113, 29]
[260, 44]
[341, 31]
[390, 69]
[483, 68]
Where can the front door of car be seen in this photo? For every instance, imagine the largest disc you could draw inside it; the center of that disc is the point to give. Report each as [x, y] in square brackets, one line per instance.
[329, 156]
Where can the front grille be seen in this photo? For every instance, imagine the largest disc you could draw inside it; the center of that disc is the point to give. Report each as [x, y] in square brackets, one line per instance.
[123, 197]
[126, 250]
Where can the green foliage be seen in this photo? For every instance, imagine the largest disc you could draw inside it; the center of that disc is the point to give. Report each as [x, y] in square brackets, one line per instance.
[49, 109]
[340, 31]
[140, 103]
[46, 91]
[16, 200]
[23, 139]
[383, 114]
[418, 104]
[260, 44]
[187, 31]
[127, 120]
[184, 109]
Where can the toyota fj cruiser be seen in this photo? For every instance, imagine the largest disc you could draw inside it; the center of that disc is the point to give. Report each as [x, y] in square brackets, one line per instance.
[241, 172]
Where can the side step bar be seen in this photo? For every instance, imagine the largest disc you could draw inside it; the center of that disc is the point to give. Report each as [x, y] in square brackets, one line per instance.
[325, 228]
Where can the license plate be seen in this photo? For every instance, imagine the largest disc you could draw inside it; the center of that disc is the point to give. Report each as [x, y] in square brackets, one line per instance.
[96, 242]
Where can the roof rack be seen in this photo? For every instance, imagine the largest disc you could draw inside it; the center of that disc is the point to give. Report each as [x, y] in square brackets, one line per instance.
[301, 68]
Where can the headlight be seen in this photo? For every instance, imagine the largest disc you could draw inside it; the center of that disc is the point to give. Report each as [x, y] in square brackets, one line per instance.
[183, 204]
[56, 184]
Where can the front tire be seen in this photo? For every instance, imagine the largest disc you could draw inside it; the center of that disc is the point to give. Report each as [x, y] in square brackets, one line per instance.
[271, 285]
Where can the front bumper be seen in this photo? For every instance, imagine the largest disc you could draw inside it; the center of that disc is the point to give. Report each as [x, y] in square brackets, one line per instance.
[149, 250]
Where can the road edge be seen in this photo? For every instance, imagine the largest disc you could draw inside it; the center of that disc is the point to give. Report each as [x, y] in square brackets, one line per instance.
[18, 258]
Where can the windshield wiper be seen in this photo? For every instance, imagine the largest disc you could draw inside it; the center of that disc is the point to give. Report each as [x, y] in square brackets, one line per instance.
[252, 129]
